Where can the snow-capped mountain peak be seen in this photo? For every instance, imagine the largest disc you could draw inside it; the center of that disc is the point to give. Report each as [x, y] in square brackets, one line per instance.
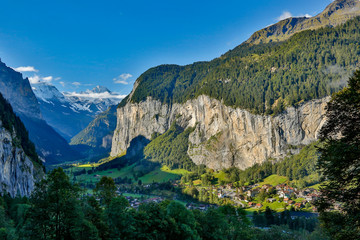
[70, 112]
[96, 100]
[99, 89]
[47, 92]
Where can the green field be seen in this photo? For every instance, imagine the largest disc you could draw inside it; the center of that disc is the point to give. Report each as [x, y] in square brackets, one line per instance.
[274, 180]
[158, 175]
[162, 174]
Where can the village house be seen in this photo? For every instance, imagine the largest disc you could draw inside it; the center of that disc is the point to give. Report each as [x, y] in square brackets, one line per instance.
[291, 202]
[271, 200]
[259, 205]
[299, 205]
[252, 192]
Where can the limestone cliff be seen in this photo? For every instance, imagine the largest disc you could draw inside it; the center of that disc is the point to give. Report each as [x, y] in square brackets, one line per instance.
[223, 136]
[17, 172]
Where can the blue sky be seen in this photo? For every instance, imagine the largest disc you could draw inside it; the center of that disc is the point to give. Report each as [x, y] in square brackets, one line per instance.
[77, 44]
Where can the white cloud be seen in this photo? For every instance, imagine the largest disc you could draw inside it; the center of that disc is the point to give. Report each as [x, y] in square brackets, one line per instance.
[34, 79]
[47, 79]
[57, 79]
[122, 79]
[76, 84]
[38, 79]
[62, 83]
[95, 95]
[26, 69]
[287, 14]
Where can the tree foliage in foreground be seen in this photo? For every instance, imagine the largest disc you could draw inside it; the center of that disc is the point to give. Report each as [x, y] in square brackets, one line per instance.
[340, 162]
[58, 210]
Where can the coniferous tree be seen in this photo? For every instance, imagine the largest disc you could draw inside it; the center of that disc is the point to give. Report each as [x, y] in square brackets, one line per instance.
[340, 162]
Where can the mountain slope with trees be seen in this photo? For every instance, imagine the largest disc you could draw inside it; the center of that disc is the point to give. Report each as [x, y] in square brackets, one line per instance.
[263, 78]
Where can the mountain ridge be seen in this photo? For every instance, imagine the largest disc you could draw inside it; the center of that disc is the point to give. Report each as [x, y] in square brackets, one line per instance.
[69, 113]
[338, 12]
[271, 95]
[50, 146]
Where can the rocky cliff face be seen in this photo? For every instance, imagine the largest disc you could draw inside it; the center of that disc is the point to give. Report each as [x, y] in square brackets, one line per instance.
[17, 172]
[223, 136]
[17, 91]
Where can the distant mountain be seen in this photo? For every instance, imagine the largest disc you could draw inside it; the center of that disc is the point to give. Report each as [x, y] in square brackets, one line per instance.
[17, 91]
[338, 12]
[96, 138]
[69, 113]
[94, 101]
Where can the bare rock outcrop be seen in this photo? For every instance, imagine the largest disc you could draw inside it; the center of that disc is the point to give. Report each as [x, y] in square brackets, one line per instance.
[223, 136]
[17, 172]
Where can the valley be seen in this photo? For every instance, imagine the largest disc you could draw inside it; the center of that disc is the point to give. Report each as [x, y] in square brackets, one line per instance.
[261, 142]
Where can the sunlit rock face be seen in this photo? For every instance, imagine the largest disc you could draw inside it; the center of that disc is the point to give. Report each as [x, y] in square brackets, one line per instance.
[223, 136]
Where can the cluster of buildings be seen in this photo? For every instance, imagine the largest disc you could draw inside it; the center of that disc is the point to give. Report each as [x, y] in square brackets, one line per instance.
[136, 202]
[283, 192]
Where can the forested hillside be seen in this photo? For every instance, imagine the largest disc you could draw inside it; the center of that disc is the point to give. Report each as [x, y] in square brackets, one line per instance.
[262, 78]
[11, 122]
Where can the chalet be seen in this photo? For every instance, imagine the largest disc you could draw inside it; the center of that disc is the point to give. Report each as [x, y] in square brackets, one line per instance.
[259, 205]
[286, 200]
[299, 205]
[271, 200]
[251, 204]
[291, 202]
[252, 192]
[309, 198]
[302, 194]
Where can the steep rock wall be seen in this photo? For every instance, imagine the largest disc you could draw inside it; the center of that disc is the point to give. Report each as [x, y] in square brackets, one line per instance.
[17, 172]
[223, 136]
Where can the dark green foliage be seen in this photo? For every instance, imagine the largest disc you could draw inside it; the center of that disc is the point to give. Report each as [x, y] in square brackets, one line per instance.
[57, 210]
[295, 167]
[340, 161]
[171, 148]
[105, 190]
[12, 122]
[263, 78]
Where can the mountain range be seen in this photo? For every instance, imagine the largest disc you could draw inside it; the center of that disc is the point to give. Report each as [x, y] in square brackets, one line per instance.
[51, 147]
[263, 99]
[70, 112]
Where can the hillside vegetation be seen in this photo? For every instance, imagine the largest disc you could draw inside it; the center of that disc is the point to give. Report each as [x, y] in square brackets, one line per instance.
[171, 148]
[262, 78]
